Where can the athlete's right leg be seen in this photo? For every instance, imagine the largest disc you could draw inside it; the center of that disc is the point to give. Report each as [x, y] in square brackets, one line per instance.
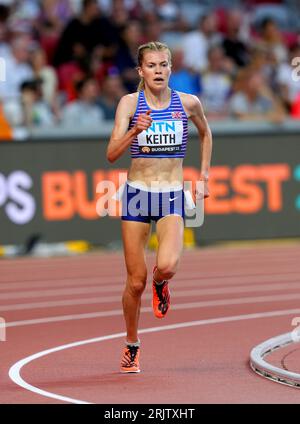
[135, 236]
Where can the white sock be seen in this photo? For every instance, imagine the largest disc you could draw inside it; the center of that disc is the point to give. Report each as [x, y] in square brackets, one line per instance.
[134, 344]
[159, 283]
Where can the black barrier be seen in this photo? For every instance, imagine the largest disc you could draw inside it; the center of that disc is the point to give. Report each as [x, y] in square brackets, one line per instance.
[48, 188]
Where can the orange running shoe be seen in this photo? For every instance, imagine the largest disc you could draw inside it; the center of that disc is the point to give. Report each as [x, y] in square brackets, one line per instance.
[130, 360]
[161, 297]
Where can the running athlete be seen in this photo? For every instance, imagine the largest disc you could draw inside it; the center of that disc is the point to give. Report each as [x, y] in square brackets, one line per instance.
[153, 122]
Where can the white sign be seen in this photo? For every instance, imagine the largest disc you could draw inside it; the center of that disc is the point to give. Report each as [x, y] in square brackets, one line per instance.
[296, 71]
[19, 205]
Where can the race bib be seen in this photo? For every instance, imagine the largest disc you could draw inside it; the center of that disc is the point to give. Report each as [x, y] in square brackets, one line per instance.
[161, 137]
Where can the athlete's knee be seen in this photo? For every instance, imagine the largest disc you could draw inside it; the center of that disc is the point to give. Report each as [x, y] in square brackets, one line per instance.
[167, 267]
[136, 283]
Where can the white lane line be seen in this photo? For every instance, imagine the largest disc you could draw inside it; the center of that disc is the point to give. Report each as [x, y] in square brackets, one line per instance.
[181, 306]
[15, 370]
[51, 292]
[176, 293]
[60, 282]
[185, 275]
[180, 280]
[288, 252]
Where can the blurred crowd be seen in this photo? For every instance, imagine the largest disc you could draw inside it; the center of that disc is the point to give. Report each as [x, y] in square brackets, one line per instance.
[68, 62]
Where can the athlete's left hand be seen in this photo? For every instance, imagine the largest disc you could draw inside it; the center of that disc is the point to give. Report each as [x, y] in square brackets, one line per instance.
[203, 192]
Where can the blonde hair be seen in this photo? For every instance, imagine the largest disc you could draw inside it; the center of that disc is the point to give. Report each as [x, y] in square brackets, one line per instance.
[152, 46]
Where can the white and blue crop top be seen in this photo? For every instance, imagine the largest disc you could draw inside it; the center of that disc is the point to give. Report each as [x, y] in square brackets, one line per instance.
[167, 136]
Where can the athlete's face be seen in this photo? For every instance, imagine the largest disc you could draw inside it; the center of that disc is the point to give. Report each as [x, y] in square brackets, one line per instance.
[156, 70]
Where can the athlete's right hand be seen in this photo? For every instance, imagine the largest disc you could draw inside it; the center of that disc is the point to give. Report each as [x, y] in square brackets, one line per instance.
[143, 122]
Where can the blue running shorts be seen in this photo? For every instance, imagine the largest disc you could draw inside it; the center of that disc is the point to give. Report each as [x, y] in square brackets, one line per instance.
[142, 205]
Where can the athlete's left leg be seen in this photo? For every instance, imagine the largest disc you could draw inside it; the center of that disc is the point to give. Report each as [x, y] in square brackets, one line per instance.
[169, 231]
[170, 243]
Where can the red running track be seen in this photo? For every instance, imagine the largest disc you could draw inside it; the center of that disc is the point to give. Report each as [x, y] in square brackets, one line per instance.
[225, 301]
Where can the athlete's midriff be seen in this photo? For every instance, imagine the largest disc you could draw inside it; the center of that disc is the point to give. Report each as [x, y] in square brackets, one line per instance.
[167, 171]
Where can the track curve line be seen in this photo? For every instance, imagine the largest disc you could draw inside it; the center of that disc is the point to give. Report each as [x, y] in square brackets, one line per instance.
[15, 370]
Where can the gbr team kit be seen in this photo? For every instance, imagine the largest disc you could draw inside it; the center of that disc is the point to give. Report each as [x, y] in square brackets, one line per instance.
[165, 138]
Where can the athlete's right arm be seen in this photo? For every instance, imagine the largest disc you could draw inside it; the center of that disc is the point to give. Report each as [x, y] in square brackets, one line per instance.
[121, 137]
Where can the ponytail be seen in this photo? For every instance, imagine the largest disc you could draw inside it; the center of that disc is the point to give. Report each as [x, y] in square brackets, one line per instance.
[141, 85]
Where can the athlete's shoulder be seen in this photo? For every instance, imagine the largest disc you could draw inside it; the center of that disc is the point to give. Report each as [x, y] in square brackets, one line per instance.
[189, 101]
[130, 99]
[128, 103]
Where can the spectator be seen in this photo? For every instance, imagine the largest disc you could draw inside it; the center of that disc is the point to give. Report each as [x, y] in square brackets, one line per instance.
[36, 111]
[25, 12]
[133, 7]
[272, 39]
[253, 99]
[182, 79]
[233, 45]
[99, 68]
[152, 30]
[4, 12]
[5, 49]
[216, 83]
[167, 10]
[46, 74]
[112, 91]
[69, 74]
[119, 15]
[263, 61]
[76, 5]
[83, 33]
[54, 15]
[197, 43]
[169, 14]
[126, 60]
[18, 69]
[84, 112]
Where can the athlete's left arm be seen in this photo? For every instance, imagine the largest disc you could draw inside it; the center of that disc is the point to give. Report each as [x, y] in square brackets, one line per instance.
[195, 112]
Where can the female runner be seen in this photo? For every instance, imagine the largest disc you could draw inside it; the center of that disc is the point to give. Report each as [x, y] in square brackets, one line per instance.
[153, 122]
